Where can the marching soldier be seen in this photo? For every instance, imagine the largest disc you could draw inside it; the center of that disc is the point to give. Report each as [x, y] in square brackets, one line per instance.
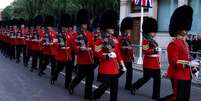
[49, 48]
[28, 38]
[96, 36]
[83, 47]
[20, 39]
[37, 36]
[107, 51]
[12, 38]
[126, 48]
[63, 56]
[178, 54]
[151, 63]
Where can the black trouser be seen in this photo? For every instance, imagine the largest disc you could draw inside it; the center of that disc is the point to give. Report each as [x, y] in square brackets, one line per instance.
[147, 74]
[12, 52]
[28, 55]
[36, 55]
[24, 51]
[46, 60]
[129, 75]
[18, 52]
[68, 71]
[183, 90]
[109, 81]
[84, 71]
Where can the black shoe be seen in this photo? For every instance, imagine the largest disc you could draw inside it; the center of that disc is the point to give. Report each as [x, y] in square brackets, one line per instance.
[155, 98]
[31, 70]
[88, 98]
[52, 82]
[70, 90]
[127, 88]
[133, 91]
[17, 61]
[40, 74]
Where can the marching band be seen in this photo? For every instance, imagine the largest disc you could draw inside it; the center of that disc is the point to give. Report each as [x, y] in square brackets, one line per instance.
[44, 41]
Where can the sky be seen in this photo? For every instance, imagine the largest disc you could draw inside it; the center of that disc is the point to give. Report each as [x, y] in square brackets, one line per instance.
[4, 3]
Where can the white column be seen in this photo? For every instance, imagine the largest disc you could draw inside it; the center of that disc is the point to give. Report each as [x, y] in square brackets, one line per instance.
[182, 2]
[124, 9]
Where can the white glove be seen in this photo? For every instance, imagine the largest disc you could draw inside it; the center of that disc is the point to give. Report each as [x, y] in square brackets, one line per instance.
[193, 63]
[55, 40]
[158, 49]
[112, 55]
[123, 67]
[197, 75]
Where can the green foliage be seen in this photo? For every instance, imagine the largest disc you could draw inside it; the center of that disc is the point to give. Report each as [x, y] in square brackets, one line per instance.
[31, 8]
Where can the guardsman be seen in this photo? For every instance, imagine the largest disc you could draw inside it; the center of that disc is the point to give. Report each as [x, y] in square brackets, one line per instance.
[37, 36]
[179, 55]
[83, 47]
[126, 48]
[28, 38]
[12, 38]
[49, 45]
[20, 38]
[151, 63]
[107, 51]
[96, 36]
[64, 49]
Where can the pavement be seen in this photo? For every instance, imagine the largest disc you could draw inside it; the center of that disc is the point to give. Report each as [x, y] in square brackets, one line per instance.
[17, 83]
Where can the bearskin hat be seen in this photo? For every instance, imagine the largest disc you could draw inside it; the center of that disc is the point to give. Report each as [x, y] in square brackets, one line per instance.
[96, 22]
[29, 23]
[14, 22]
[65, 20]
[181, 20]
[109, 19]
[49, 21]
[83, 17]
[21, 21]
[149, 25]
[127, 23]
[38, 21]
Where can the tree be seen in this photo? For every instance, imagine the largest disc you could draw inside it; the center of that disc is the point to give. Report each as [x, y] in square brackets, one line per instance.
[31, 8]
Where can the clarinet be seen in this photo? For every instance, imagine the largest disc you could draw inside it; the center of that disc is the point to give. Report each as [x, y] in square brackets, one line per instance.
[61, 40]
[28, 37]
[35, 35]
[47, 38]
[81, 40]
[12, 33]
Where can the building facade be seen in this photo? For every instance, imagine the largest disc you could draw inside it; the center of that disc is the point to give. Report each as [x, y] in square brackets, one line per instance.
[162, 11]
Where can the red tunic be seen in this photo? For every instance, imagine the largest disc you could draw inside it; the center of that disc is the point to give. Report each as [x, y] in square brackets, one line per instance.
[84, 57]
[111, 66]
[37, 45]
[65, 54]
[21, 40]
[151, 57]
[178, 51]
[51, 49]
[126, 54]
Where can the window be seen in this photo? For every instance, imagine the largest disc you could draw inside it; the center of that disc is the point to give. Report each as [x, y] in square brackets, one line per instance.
[196, 5]
[165, 10]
